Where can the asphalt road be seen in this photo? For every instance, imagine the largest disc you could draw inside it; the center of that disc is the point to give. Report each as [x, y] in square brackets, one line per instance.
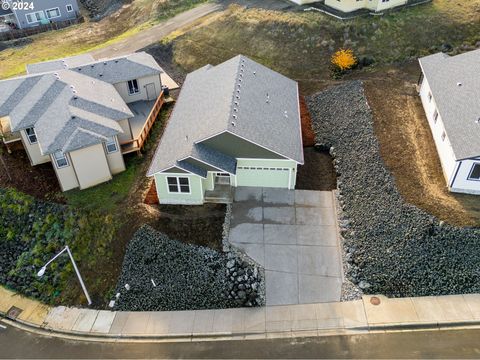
[456, 344]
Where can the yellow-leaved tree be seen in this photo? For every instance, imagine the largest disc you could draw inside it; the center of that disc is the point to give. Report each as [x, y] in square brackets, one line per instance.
[344, 59]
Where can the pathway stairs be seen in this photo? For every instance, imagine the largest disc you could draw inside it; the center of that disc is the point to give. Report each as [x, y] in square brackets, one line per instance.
[350, 317]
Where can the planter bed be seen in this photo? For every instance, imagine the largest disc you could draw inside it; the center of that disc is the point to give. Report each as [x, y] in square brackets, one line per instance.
[392, 247]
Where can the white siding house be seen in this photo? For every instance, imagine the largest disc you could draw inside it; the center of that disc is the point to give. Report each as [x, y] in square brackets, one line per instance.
[450, 91]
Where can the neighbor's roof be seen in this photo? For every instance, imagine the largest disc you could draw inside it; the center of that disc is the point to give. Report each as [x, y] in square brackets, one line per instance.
[113, 70]
[455, 85]
[59, 64]
[239, 96]
[68, 110]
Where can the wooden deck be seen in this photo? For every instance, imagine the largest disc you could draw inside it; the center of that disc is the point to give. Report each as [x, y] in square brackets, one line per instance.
[138, 143]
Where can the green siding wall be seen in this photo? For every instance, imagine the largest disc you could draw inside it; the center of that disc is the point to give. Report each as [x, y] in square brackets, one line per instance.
[263, 177]
[196, 190]
[208, 183]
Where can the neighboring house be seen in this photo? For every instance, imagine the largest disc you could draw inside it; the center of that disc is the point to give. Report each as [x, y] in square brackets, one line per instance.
[37, 12]
[82, 115]
[6, 15]
[348, 6]
[450, 93]
[234, 124]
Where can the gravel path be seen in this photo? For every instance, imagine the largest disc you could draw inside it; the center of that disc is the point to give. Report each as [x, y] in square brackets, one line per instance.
[391, 247]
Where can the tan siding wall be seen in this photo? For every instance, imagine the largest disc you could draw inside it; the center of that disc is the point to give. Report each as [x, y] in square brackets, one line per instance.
[374, 5]
[127, 133]
[122, 89]
[66, 175]
[33, 151]
[91, 166]
[115, 161]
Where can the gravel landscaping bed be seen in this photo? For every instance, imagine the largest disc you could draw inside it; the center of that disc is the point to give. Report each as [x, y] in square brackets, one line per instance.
[164, 274]
[391, 247]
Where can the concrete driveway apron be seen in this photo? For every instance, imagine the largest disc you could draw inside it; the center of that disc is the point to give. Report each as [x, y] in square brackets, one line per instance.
[293, 234]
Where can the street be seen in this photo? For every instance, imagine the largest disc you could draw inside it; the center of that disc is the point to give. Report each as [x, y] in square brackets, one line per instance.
[15, 343]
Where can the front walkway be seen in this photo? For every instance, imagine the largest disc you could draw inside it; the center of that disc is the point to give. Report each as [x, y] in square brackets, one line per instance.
[293, 235]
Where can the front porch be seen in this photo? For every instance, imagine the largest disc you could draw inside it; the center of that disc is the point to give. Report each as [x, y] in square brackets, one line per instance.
[221, 194]
[146, 113]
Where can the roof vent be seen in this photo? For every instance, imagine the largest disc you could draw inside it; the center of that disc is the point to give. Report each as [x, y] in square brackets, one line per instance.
[101, 75]
[186, 137]
[72, 117]
[235, 109]
[75, 97]
[254, 73]
[92, 66]
[286, 114]
[233, 123]
[235, 117]
[116, 61]
[477, 121]
[105, 63]
[459, 84]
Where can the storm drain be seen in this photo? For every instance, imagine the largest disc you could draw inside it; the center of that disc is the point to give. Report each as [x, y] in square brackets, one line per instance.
[14, 312]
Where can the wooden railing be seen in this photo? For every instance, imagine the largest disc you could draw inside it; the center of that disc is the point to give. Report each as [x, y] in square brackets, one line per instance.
[138, 143]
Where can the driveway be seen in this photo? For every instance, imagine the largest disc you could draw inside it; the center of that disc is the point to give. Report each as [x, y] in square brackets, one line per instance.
[293, 235]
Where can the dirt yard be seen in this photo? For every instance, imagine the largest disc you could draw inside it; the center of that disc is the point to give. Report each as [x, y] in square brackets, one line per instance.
[39, 181]
[408, 149]
[318, 172]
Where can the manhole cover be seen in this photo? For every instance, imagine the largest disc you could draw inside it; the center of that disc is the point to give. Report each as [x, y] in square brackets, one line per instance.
[374, 300]
[14, 312]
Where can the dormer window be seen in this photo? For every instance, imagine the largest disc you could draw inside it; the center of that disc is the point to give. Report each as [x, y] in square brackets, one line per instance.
[32, 137]
[133, 87]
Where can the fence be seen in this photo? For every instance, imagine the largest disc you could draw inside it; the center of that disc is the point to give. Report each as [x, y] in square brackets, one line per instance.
[21, 33]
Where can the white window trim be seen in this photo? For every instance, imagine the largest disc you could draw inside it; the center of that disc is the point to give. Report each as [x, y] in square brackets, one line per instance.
[111, 141]
[128, 88]
[53, 17]
[178, 185]
[28, 136]
[33, 15]
[71, 7]
[471, 171]
[56, 160]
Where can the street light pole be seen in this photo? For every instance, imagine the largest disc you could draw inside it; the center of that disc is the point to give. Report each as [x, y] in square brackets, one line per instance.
[41, 272]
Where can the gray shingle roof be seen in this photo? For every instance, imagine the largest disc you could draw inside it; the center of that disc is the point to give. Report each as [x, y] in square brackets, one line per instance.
[458, 105]
[59, 104]
[239, 96]
[59, 64]
[113, 71]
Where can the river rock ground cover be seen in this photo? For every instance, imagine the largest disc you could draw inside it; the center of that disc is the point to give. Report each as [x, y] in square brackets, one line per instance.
[392, 247]
[164, 274]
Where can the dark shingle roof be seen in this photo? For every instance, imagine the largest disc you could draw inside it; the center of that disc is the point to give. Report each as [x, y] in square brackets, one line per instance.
[239, 96]
[455, 86]
[113, 71]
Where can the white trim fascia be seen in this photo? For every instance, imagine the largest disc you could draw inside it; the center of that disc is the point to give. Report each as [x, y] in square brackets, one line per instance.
[209, 137]
[255, 159]
[171, 167]
[289, 178]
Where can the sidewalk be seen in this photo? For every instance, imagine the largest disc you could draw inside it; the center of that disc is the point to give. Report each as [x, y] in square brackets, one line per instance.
[269, 322]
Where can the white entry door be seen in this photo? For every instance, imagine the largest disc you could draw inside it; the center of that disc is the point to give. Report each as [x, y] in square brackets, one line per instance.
[222, 178]
[151, 93]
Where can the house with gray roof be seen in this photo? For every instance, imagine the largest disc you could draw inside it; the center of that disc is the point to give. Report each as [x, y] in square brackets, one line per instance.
[27, 14]
[82, 115]
[450, 93]
[234, 124]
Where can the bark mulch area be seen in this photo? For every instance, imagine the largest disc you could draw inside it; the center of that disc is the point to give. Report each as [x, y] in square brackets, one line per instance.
[39, 181]
[308, 136]
[318, 173]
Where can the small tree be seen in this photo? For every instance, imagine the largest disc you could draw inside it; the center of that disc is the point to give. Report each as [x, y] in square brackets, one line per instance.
[342, 61]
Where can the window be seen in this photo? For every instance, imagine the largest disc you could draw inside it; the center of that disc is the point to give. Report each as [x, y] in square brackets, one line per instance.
[133, 87]
[178, 185]
[35, 17]
[53, 13]
[32, 137]
[111, 145]
[69, 8]
[475, 172]
[435, 116]
[60, 159]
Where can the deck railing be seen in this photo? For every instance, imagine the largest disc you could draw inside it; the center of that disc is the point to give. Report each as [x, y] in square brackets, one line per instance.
[138, 143]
